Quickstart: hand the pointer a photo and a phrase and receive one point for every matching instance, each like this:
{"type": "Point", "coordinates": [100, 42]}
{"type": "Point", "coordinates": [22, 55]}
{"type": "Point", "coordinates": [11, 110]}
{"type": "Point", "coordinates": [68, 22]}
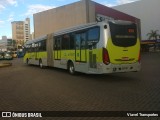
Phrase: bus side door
{"type": "Point", "coordinates": [92, 40]}
{"type": "Point", "coordinates": [36, 51]}
{"type": "Point", "coordinates": [32, 54]}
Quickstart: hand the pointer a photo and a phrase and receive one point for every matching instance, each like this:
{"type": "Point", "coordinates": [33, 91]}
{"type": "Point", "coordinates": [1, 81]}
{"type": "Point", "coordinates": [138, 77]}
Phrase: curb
{"type": "Point", "coordinates": [5, 65]}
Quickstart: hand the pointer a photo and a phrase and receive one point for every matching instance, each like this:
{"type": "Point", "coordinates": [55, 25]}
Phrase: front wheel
{"type": "Point", "coordinates": [40, 64]}
{"type": "Point", "coordinates": [27, 61]}
{"type": "Point", "coordinates": [71, 68]}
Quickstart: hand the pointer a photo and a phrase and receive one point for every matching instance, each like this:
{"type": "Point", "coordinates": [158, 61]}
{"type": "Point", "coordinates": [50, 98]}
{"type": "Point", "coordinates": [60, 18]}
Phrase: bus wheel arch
{"type": "Point", "coordinates": [70, 67]}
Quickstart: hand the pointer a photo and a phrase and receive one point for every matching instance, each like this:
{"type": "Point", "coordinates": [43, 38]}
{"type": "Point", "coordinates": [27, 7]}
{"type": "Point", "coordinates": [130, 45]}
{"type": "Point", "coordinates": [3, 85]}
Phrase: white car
{"type": "Point", "coordinates": [1, 55]}
{"type": "Point", "coordinates": [8, 56]}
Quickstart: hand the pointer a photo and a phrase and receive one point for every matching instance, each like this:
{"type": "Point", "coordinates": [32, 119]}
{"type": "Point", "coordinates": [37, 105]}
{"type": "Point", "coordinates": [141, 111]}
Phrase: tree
{"type": "Point", "coordinates": [153, 35]}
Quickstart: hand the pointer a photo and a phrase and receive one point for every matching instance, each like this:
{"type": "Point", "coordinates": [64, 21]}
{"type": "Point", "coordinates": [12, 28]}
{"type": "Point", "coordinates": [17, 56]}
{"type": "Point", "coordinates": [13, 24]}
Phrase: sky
{"type": "Point", "coordinates": [18, 10]}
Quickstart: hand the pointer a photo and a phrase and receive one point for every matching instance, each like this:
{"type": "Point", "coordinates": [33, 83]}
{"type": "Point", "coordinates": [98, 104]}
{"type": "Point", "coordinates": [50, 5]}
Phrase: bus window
{"type": "Point", "coordinates": [43, 45]}
{"type": "Point", "coordinates": [123, 35]}
{"type": "Point", "coordinates": [93, 34]}
{"type": "Point", "coordinates": [30, 48]}
{"type": "Point", "coordinates": [57, 44]}
{"type": "Point", "coordinates": [83, 40]}
{"type": "Point", "coordinates": [77, 41]}
{"type": "Point", "coordinates": [72, 44]}
{"type": "Point", "coordinates": [65, 42]}
{"type": "Point", "coordinates": [36, 47]}
{"type": "Point", "coordinates": [80, 39]}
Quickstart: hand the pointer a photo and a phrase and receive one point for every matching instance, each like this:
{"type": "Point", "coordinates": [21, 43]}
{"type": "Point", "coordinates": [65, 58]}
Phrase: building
{"type": "Point", "coordinates": [6, 44]}
{"type": "Point", "coordinates": [26, 29]}
{"type": "Point", "coordinates": [3, 45]}
{"type": "Point", "coordinates": [32, 36]}
{"type": "Point", "coordinates": [21, 31]}
{"type": "Point", "coordinates": [4, 37]}
{"type": "Point", "coordinates": [146, 11]}
{"type": "Point", "coordinates": [81, 12]}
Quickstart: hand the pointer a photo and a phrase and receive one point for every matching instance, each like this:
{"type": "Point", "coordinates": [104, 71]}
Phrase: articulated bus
{"type": "Point", "coordinates": [94, 48]}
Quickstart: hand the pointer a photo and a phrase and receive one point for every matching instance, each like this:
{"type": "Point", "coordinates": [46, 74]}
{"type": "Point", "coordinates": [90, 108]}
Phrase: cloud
{"type": "Point", "coordinates": [1, 23]}
{"type": "Point", "coordinates": [4, 3]}
{"type": "Point", "coordinates": [125, 1]}
{"type": "Point", "coordinates": [1, 7]}
{"type": "Point", "coordinates": [32, 9]}
{"type": "Point", "coordinates": [117, 2]}
{"type": "Point", "coordinates": [61, 0]}
{"type": "Point", "coordinates": [11, 17]}
{"type": "Point", "coordinates": [8, 2]}
{"type": "Point", "coordinates": [12, 2]}
{"type": "Point", "coordinates": [109, 4]}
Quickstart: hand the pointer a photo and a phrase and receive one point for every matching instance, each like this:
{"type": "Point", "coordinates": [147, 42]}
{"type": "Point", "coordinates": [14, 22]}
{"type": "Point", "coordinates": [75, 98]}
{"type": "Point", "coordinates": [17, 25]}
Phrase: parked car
{"type": "Point", "coordinates": [8, 56]}
{"type": "Point", "coordinates": [1, 55]}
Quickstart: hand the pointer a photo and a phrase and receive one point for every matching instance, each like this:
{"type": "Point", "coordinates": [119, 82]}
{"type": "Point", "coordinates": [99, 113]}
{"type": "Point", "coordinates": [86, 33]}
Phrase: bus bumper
{"type": "Point", "coordinates": [118, 68]}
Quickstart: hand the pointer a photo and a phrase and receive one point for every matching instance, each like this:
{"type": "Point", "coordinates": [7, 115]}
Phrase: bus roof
{"type": "Point", "coordinates": [79, 27]}
{"type": "Point", "coordinates": [83, 26]}
{"type": "Point", "coordinates": [36, 40]}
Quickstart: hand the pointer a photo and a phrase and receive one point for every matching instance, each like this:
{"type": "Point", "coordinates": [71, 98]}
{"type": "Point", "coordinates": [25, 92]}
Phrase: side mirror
{"type": "Point", "coordinates": [105, 26]}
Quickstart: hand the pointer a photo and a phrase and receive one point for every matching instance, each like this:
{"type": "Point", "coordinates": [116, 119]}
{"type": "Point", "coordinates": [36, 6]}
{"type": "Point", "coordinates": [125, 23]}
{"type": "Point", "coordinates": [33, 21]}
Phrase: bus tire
{"type": "Point", "coordinates": [41, 64]}
{"type": "Point", "coordinates": [27, 61]}
{"type": "Point", "coordinates": [71, 68]}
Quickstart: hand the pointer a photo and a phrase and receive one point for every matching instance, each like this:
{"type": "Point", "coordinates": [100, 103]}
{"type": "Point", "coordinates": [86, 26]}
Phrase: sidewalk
{"type": "Point", "coordinates": [5, 64]}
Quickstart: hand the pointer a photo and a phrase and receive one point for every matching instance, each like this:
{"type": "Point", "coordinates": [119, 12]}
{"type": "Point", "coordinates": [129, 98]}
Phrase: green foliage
{"type": "Point", "coordinates": [153, 34]}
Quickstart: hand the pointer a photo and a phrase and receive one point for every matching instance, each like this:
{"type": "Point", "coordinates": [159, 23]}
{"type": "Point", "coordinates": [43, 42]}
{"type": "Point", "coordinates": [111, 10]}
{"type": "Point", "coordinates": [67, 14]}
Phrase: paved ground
{"type": "Point", "coordinates": [29, 88]}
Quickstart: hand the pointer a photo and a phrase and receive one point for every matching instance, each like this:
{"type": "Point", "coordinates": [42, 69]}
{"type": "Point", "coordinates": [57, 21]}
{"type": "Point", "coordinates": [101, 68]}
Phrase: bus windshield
{"type": "Point", "coordinates": [123, 35]}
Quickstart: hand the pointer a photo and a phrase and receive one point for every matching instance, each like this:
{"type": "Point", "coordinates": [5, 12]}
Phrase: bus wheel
{"type": "Point", "coordinates": [27, 61]}
{"type": "Point", "coordinates": [40, 64]}
{"type": "Point", "coordinates": [71, 68]}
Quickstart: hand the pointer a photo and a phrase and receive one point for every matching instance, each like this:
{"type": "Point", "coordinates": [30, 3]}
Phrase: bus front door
{"type": "Point", "coordinates": [80, 52]}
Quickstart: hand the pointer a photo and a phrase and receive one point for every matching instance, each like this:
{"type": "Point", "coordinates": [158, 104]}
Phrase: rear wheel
{"type": "Point", "coordinates": [71, 68]}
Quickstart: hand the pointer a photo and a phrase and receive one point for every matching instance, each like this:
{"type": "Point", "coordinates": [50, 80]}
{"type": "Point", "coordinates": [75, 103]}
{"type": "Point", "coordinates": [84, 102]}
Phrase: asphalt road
{"type": "Point", "coordinates": [29, 88]}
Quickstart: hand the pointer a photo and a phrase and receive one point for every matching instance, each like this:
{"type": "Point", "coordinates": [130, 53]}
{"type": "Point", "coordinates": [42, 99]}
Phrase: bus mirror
{"type": "Point", "coordinates": [105, 26]}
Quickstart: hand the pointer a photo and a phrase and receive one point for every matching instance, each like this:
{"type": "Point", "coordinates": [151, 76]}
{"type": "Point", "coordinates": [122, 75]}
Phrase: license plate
{"type": "Point", "coordinates": [124, 68]}
{"type": "Point", "coordinates": [125, 58]}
